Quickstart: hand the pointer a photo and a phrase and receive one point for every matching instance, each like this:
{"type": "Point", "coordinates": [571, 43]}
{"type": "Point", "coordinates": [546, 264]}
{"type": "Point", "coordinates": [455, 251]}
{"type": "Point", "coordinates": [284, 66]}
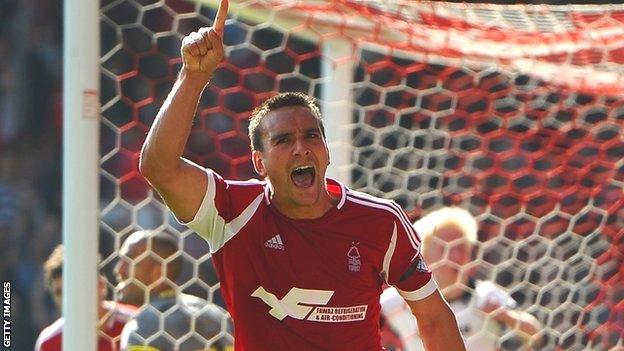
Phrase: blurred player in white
{"type": "Point", "coordinates": [484, 311]}
{"type": "Point", "coordinates": [168, 319]}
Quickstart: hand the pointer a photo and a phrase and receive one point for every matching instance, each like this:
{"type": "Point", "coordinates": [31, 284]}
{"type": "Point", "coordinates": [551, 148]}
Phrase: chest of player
{"type": "Point", "coordinates": [341, 254]}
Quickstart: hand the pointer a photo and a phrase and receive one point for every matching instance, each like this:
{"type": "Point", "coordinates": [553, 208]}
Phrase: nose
{"type": "Point", "coordinates": [300, 148]}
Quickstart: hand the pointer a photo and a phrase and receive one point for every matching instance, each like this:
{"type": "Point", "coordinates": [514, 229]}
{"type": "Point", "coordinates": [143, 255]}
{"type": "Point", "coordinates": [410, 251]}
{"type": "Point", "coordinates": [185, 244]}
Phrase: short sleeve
{"type": "Point", "coordinates": [404, 265]}
{"type": "Point", "coordinates": [129, 328]}
{"type": "Point", "coordinates": [225, 208]}
{"type": "Point", "coordinates": [209, 220]}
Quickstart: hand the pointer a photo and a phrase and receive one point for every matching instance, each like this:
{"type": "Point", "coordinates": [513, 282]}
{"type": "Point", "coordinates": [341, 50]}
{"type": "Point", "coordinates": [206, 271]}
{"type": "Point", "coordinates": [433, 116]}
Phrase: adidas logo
{"type": "Point", "coordinates": [275, 243]}
{"type": "Point", "coordinates": [421, 266]}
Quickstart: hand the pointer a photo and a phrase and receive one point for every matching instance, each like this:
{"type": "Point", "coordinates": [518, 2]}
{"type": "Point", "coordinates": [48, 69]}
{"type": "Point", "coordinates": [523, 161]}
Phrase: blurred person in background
{"type": "Point", "coordinates": [485, 312]}
{"type": "Point", "coordinates": [149, 265]}
{"type": "Point", "coordinates": [112, 316]}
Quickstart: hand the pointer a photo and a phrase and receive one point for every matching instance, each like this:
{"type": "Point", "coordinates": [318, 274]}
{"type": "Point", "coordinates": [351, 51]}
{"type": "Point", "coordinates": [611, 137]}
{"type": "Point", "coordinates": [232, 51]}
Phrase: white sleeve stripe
{"type": "Point", "coordinates": [409, 229]}
{"type": "Point", "coordinates": [211, 226]}
{"type": "Point", "coordinates": [233, 227]}
{"type": "Point", "coordinates": [389, 254]}
{"type": "Point", "coordinates": [421, 293]}
{"type": "Point", "coordinates": [207, 201]}
{"type": "Point", "coordinates": [397, 211]}
{"type": "Point", "coordinates": [49, 332]}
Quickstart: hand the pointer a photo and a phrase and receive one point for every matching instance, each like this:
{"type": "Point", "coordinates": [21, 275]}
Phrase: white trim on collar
{"type": "Point", "coordinates": [268, 189]}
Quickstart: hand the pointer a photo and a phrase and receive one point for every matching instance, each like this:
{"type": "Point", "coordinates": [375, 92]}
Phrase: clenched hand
{"type": "Point", "coordinates": [203, 50]}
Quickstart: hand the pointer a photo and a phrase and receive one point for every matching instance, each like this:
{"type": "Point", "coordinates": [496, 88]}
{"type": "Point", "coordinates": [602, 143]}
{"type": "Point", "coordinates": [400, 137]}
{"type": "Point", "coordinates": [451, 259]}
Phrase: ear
{"type": "Point", "coordinates": [256, 158]}
{"type": "Point", "coordinates": [157, 273]}
{"type": "Point", "coordinates": [102, 286]}
{"type": "Point", "coordinates": [328, 154]}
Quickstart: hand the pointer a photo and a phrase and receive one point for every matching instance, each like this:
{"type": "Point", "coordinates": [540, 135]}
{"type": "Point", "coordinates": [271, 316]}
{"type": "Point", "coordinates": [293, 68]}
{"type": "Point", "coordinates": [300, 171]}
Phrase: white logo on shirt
{"type": "Point", "coordinates": [275, 243]}
{"type": "Point", "coordinates": [353, 255]}
{"type": "Point", "coordinates": [291, 306]}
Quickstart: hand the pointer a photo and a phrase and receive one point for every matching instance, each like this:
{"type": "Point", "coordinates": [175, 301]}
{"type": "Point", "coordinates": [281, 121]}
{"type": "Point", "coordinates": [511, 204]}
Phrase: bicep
{"type": "Point", "coordinates": [183, 191]}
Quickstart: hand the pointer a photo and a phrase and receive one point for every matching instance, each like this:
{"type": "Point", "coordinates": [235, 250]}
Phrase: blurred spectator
{"type": "Point", "coordinates": [484, 311]}
{"type": "Point", "coordinates": [113, 316]}
{"type": "Point", "coordinates": [30, 156]}
{"type": "Point", "coordinates": [147, 270]}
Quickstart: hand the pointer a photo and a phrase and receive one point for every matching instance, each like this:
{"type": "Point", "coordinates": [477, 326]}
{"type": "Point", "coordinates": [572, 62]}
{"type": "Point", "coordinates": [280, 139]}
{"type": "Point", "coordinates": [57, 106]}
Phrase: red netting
{"type": "Point", "coordinates": [512, 112]}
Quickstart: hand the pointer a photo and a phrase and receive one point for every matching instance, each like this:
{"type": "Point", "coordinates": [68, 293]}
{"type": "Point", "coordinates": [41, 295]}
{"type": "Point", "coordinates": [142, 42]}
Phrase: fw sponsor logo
{"type": "Point", "coordinates": [295, 305]}
{"type": "Point", "coordinates": [6, 314]}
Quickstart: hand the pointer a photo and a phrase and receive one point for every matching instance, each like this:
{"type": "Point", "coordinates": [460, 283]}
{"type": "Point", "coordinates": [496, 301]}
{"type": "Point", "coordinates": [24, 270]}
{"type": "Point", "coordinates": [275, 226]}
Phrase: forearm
{"type": "Point", "coordinates": [169, 133]}
{"type": "Point", "coordinates": [441, 333]}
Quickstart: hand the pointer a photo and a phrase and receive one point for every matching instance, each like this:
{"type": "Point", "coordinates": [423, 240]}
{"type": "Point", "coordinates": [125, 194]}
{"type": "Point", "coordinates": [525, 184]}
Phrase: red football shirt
{"type": "Point", "coordinates": [51, 337]}
{"type": "Point", "coordinates": [308, 284]}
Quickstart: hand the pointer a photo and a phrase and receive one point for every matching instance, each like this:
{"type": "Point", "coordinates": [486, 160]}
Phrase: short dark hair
{"type": "Point", "coordinates": [274, 103]}
{"type": "Point", "coordinates": [53, 266]}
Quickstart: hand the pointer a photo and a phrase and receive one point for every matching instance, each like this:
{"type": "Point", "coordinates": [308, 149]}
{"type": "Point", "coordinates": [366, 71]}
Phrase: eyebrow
{"type": "Point", "coordinates": [286, 134]}
{"type": "Point", "coordinates": [279, 136]}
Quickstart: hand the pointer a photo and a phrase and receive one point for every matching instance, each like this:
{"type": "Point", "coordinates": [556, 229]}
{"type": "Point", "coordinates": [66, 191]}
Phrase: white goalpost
{"type": "Point", "coordinates": [80, 173]}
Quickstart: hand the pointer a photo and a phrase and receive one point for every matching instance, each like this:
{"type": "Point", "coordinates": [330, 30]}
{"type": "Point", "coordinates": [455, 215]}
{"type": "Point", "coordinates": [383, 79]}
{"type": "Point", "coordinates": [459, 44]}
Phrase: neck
{"type": "Point", "coordinates": [317, 210]}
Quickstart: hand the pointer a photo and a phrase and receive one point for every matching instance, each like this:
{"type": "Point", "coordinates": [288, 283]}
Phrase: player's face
{"type": "Point", "coordinates": [136, 271]}
{"type": "Point", "coordinates": [448, 252]}
{"type": "Point", "coordinates": [294, 159]}
{"type": "Point", "coordinates": [57, 291]}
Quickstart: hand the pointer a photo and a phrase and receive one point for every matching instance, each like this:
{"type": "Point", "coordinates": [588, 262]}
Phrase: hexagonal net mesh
{"type": "Point", "coordinates": [512, 112]}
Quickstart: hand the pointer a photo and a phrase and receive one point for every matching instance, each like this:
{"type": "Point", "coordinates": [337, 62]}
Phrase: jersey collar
{"type": "Point", "coordinates": [334, 187]}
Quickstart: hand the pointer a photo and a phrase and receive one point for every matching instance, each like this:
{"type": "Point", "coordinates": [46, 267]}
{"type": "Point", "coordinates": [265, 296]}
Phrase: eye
{"type": "Point", "coordinates": [281, 140]}
{"type": "Point", "coordinates": [313, 135]}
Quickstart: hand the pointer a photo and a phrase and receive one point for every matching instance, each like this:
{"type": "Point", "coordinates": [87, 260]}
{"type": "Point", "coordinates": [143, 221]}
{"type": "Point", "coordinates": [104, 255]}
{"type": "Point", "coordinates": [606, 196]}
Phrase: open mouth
{"type": "Point", "coordinates": [303, 176]}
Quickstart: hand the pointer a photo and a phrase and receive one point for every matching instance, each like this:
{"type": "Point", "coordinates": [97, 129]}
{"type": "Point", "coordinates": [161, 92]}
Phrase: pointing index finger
{"type": "Point", "coordinates": [221, 16]}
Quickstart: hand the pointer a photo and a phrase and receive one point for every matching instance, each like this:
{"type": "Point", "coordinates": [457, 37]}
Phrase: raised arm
{"type": "Point", "coordinates": [180, 182]}
{"type": "Point", "coordinates": [437, 325]}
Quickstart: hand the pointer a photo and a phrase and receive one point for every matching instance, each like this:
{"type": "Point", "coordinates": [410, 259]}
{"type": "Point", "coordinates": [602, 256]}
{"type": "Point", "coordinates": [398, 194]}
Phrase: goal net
{"type": "Point", "coordinates": [512, 112]}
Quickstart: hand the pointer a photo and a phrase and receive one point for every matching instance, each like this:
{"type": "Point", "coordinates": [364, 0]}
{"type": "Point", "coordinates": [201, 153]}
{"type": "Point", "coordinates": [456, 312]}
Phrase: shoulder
{"type": "Point", "coordinates": [120, 312]}
{"type": "Point", "coordinates": [242, 185]}
{"type": "Point", "coordinates": [245, 188]}
{"type": "Point", "coordinates": [199, 305]}
{"type": "Point", "coordinates": [50, 335]}
{"type": "Point", "coordinates": [375, 205]}
{"type": "Point", "coordinates": [234, 191]}
{"type": "Point", "coordinates": [126, 334]}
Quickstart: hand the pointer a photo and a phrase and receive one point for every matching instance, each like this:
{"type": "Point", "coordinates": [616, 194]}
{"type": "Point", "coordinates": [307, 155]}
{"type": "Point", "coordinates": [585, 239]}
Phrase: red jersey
{"type": "Point", "coordinates": [310, 284]}
{"type": "Point", "coordinates": [51, 338]}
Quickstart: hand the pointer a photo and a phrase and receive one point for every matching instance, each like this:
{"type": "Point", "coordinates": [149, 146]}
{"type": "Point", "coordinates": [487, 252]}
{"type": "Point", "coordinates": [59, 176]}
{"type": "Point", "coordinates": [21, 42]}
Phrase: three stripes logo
{"type": "Point", "coordinates": [275, 243]}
